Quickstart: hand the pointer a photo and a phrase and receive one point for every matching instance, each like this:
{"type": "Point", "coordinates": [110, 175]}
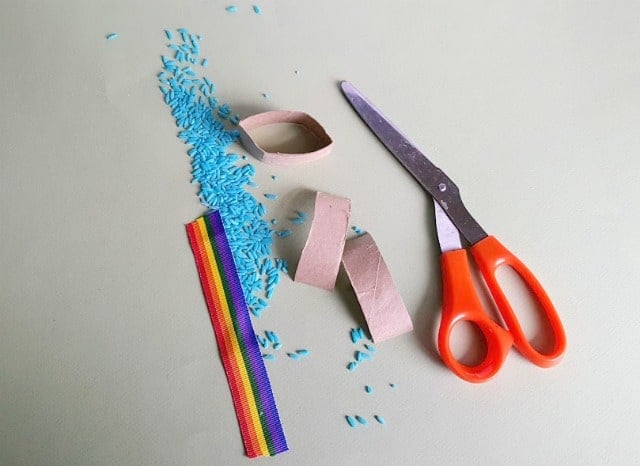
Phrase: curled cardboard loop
{"type": "Point", "coordinates": [323, 141]}
{"type": "Point", "coordinates": [326, 247]}
{"type": "Point", "coordinates": [381, 303]}
{"type": "Point", "coordinates": [320, 259]}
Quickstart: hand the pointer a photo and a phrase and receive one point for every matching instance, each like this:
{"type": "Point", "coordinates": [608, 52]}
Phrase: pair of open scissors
{"type": "Point", "coordinates": [460, 301]}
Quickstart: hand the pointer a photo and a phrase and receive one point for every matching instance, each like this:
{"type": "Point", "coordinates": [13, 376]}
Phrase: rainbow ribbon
{"type": "Point", "coordinates": [255, 406]}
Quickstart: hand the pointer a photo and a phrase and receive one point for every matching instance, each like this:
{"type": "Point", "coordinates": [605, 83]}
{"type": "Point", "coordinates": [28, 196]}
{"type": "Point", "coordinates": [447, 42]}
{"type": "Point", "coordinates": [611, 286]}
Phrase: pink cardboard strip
{"type": "Point", "coordinates": [320, 259]}
{"type": "Point", "coordinates": [381, 303]}
{"type": "Point", "coordinates": [324, 142]}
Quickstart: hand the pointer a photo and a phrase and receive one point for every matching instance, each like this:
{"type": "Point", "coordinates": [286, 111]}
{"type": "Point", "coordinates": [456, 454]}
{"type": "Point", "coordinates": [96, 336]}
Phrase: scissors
{"type": "Point", "coordinates": [460, 301]}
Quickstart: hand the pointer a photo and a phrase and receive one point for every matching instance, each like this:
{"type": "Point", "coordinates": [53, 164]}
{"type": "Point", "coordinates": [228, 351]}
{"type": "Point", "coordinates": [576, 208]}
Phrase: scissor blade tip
{"type": "Point", "coordinates": [346, 86]}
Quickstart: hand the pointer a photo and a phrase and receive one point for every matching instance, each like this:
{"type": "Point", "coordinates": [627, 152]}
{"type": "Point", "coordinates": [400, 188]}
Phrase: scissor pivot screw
{"type": "Point", "coordinates": [442, 187]}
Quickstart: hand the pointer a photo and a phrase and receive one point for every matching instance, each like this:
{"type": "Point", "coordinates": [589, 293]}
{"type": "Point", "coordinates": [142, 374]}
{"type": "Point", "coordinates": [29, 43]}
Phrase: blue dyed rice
{"type": "Point", "coordinates": [262, 341]}
{"type": "Point", "coordinates": [224, 111]}
{"type": "Point", "coordinates": [231, 8]}
{"type": "Point", "coordinates": [221, 176]}
{"type": "Point", "coordinates": [256, 9]}
{"type": "Point", "coordinates": [362, 420]}
{"type": "Point", "coordinates": [112, 36]}
{"type": "Point", "coordinates": [271, 197]}
{"type": "Point", "coordinates": [282, 265]}
{"type": "Point", "coordinates": [351, 421]}
{"type": "Point", "coordinates": [300, 219]}
{"type": "Point", "coordinates": [272, 336]}
{"type": "Point", "coordinates": [379, 418]}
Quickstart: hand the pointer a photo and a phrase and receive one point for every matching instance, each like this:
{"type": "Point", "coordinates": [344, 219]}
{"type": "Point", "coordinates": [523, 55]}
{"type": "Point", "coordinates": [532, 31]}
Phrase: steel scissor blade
{"type": "Point", "coordinates": [443, 190]}
{"type": "Point", "coordinates": [448, 234]}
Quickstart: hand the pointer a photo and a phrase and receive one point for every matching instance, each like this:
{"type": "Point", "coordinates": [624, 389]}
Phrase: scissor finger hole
{"type": "Point", "coordinates": [468, 344]}
{"type": "Point", "coordinates": [528, 311]}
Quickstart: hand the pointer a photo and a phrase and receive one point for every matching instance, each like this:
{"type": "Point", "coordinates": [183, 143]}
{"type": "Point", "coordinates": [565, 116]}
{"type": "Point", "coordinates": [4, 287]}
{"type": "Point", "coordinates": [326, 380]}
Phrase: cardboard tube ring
{"type": "Point", "coordinates": [320, 259]}
{"type": "Point", "coordinates": [324, 141]}
{"type": "Point", "coordinates": [326, 246]}
{"type": "Point", "coordinates": [381, 303]}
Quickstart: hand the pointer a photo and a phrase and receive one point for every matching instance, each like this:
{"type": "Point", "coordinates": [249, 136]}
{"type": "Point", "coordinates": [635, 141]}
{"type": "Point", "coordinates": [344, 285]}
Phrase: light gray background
{"type": "Point", "coordinates": [106, 351]}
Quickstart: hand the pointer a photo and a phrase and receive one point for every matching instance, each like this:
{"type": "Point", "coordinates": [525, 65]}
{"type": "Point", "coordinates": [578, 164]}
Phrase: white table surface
{"type": "Point", "coordinates": [107, 355]}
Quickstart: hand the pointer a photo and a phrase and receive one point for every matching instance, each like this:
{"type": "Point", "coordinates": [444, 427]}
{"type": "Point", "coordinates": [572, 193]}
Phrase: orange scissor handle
{"type": "Point", "coordinates": [461, 303]}
{"type": "Point", "coordinates": [489, 254]}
